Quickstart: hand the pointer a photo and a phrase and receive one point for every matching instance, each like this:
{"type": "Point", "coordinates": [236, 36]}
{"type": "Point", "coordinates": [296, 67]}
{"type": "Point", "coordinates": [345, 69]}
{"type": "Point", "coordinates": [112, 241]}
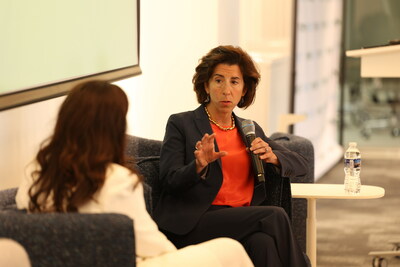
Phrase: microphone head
{"type": "Point", "coordinates": [248, 127]}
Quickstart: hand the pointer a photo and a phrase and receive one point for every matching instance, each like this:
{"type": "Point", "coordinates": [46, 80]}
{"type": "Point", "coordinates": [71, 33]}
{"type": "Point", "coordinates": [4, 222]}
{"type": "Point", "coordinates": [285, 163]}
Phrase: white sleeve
{"type": "Point", "coordinates": [119, 195]}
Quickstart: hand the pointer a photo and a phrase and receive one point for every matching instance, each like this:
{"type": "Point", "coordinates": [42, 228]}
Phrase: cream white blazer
{"type": "Point", "coordinates": [118, 195]}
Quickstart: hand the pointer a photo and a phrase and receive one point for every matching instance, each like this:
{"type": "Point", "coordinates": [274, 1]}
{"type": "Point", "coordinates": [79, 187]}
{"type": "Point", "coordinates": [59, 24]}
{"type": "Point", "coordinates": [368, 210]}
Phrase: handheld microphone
{"type": "Point", "coordinates": [249, 131]}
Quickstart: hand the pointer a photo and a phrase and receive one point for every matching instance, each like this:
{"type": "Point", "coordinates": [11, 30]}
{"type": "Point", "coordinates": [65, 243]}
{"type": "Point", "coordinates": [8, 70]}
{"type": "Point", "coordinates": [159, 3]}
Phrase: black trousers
{"type": "Point", "coordinates": [264, 231]}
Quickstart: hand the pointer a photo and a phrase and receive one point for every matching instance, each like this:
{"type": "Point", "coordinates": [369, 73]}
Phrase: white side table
{"type": "Point", "coordinates": [312, 192]}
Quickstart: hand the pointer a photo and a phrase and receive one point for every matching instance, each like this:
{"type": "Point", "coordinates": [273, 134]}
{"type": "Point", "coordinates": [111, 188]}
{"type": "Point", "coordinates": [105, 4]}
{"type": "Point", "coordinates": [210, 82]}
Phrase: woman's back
{"type": "Point", "coordinates": [122, 192]}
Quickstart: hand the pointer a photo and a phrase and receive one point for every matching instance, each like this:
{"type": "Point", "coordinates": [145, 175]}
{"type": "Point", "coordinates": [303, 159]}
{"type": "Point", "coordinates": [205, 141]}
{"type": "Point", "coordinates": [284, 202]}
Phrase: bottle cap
{"type": "Point", "coordinates": [353, 144]}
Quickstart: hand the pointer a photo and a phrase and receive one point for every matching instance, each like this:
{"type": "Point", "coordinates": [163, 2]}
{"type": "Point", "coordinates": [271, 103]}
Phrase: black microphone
{"type": "Point", "coordinates": [249, 131]}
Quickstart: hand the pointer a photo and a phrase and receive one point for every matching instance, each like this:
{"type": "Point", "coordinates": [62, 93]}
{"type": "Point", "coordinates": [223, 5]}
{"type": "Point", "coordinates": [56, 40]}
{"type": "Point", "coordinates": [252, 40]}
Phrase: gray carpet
{"type": "Point", "coordinates": [348, 229]}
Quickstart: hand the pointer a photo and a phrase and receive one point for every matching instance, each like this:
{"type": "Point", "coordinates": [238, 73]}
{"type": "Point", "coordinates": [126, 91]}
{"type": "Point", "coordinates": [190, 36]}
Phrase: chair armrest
{"type": "Point", "coordinates": [301, 145]}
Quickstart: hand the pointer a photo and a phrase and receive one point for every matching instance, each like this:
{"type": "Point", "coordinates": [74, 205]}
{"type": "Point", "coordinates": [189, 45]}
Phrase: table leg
{"type": "Point", "coordinates": [311, 231]}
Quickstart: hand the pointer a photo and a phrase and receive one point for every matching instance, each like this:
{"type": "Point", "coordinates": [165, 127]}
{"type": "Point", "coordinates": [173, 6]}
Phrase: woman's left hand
{"type": "Point", "coordinates": [264, 151]}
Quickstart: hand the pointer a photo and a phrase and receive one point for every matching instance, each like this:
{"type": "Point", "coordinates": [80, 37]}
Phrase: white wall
{"type": "Point", "coordinates": [174, 34]}
{"type": "Point", "coordinates": [265, 30]}
{"type": "Point", "coordinates": [171, 44]}
{"type": "Point", "coordinates": [22, 131]}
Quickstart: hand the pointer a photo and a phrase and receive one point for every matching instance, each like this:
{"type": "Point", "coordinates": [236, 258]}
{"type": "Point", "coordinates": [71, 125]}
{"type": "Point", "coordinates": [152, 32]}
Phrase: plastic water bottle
{"type": "Point", "coordinates": [352, 169]}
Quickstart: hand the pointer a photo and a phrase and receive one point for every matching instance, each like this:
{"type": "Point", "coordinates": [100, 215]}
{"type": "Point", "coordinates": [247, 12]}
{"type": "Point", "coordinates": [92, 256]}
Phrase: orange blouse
{"type": "Point", "coordinates": [238, 183]}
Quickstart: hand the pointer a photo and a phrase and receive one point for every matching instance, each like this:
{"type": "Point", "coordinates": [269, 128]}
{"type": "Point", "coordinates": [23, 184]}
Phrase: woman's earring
{"type": "Point", "coordinates": [207, 99]}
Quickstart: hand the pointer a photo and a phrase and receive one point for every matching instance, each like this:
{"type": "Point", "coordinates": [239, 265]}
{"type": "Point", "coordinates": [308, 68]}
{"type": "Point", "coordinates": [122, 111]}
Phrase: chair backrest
{"type": "Point", "coordinates": [146, 157]}
{"type": "Point", "coordinates": [7, 199]}
{"type": "Point", "coordinates": [149, 167]}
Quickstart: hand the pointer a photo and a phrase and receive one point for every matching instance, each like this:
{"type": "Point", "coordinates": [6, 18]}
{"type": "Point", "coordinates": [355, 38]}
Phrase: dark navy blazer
{"type": "Point", "coordinates": [185, 195]}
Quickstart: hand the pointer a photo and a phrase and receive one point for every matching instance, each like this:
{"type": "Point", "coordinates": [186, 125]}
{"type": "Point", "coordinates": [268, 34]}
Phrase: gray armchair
{"type": "Point", "coordinates": [68, 239]}
{"type": "Point", "coordinates": [145, 153]}
{"type": "Point", "coordinates": [304, 147]}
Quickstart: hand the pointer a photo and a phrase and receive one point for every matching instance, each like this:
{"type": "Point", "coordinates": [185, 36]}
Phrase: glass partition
{"type": "Point", "coordinates": [370, 106]}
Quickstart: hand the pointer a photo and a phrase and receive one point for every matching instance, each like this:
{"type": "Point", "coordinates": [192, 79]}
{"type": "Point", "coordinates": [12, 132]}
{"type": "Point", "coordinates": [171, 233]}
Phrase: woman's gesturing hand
{"type": "Point", "coordinates": [205, 152]}
{"type": "Point", "coordinates": [264, 151]}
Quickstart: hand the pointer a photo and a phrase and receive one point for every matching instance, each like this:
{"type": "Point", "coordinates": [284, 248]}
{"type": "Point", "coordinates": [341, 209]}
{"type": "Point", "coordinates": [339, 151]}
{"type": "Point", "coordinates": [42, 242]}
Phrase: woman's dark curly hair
{"type": "Point", "coordinates": [232, 56]}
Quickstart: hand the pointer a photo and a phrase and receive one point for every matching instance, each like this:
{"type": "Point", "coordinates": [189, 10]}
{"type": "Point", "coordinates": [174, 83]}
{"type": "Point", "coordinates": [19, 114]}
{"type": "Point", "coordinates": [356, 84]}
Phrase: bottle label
{"type": "Point", "coordinates": [352, 163]}
{"type": "Point", "coordinates": [357, 163]}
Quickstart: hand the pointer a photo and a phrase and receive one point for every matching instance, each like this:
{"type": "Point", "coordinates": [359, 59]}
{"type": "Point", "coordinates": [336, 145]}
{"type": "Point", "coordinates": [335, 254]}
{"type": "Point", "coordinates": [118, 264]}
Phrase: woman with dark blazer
{"type": "Point", "coordinates": [209, 187]}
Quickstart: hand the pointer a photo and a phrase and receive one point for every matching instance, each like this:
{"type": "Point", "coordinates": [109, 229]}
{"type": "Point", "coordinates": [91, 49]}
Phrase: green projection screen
{"type": "Point", "coordinates": [47, 46]}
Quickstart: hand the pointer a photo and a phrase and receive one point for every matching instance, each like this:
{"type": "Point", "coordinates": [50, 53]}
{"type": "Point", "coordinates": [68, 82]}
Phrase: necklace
{"type": "Point", "coordinates": [219, 126]}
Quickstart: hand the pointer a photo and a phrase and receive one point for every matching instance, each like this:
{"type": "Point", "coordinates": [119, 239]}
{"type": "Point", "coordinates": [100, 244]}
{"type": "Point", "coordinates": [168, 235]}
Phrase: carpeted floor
{"type": "Point", "coordinates": [348, 229]}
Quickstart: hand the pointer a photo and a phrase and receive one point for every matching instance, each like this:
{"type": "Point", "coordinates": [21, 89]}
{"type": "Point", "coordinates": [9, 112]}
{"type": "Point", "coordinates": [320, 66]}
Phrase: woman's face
{"type": "Point", "coordinates": [225, 87]}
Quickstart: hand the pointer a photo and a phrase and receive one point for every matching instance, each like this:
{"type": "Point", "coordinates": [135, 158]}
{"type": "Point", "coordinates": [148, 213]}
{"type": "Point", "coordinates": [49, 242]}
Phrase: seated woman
{"type": "Point", "coordinates": [81, 168]}
{"type": "Point", "coordinates": [209, 187]}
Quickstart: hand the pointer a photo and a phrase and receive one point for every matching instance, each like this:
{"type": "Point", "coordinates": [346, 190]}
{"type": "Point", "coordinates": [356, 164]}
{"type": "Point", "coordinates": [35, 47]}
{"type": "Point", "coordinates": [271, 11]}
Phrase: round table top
{"type": "Point", "coordinates": [334, 191]}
